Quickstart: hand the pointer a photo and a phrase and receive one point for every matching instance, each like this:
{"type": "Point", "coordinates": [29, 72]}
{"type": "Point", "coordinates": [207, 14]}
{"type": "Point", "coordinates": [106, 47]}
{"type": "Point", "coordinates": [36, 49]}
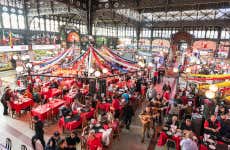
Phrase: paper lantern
{"type": "Point", "coordinates": [91, 70]}
{"type": "Point", "coordinates": [104, 70]}
{"type": "Point", "coordinates": [37, 67]}
{"type": "Point", "coordinates": [29, 65]}
{"type": "Point", "coordinates": [209, 94]}
{"type": "Point", "coordinates": [213, 88]}
{"type": "Point", "coordinates": [188, 70]}
{"type": "Point", "coordinates": [15, 57]}
{"type": "Point", "coordinates": [175, 69]}
{"type": "Point", "coordinates": [97, 74]}
{"type": "Point", "coordinates": [19, 69]}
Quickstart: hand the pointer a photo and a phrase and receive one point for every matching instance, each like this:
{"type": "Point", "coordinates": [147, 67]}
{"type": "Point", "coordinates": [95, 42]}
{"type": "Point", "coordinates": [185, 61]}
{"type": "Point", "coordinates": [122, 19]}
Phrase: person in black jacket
{"type": "Point", "coordinates": [39, 133]}
{"type": "Point", "coordinates": [127, 114]}
{"type": "Point", "coordinates": [52, 143]}
{"type": "Point", "coordinates": [72, 141]}
{"type": "Point", "coordinates": [6, 97]}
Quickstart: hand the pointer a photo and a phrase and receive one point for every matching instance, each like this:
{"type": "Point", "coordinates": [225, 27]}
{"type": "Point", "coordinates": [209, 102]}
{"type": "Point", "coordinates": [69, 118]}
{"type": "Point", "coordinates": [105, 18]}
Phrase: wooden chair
{"type": "Point", "coordinates": [8, 144]}
{"type": "Point", "coordinates": [23, 147]}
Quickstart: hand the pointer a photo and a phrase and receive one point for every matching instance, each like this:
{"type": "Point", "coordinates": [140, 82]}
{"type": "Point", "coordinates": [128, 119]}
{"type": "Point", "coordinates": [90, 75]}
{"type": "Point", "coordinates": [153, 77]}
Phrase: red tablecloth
{"type": "Point", "coordinates": [121, 84]}
{"type": "Point", "coordinates": [163, 139]}
{"type": "Point", "coordinates": [84, 91]}
{"type": "Point", "coordinates": [89, 114]}
{"type": "Point", "coordinates": [21, 104]}
{"type": "Point", "coordinates": [69, 97]}
{"type": "Point", "coordinates": [69, 125]}
{"type": "Point", "coordinates": [104, 106]}
{"type": "Point", "coordinates": [94, 143]}
{"type": "Point", "coordinates": [43, 110]}
{"type": "Point", "coordinates": [49, 93]}
{"type": "Point", "coordinates": [67, 83]}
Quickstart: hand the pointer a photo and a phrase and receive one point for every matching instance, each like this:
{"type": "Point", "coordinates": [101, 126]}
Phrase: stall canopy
{"type": "Point", "coordinates": [92, 62]}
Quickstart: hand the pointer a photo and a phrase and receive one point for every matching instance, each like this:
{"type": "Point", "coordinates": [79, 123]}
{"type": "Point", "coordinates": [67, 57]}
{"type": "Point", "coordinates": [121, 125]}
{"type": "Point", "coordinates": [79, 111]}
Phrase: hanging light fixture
{"type": "Point", "coordinates": [29, 65]}
{"type": "Point", "coordinates": [36, 68]}
{"type": "Point", "coordinates": [209, 94]}
{"type": "Point", "coordinates": [91, 70]}
{"type": "Point", "coordinates": [175, 69]}
{"type": "Point", "coordinates": [15, 57]}
{"type": "Point", "coordinates": [188, 70]}
{"type": "Point", "coordinates": [97, 74]}
{"type": "Point", "coordinates": [104, 70]}
{"type": "Point", "coordinates": [213, 88]}
{"type": "Point", "coordinates": [19, 69]}
{"type": "Point", "coordinates": [142, 65]}
{"type": "Point", "coordinates": [139, 63]}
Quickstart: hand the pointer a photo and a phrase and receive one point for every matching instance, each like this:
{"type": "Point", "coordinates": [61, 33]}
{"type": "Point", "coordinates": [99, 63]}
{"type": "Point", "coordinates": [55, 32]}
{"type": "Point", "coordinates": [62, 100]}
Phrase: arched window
{"type": "Point", "coordinates": [56, 26]}
{"type": "Point", "coordinates": [6, 18]}
{"type": "Point", "coordinates": [42, 24]}
{"type": "Point", "coordinates": [14, 21]}
{"type": "Point", "coordinates": [21, 22]}
{"type": "Point", "coordinates": [48, 25]}
{"type": "Point", "coordinates": [52, 27]}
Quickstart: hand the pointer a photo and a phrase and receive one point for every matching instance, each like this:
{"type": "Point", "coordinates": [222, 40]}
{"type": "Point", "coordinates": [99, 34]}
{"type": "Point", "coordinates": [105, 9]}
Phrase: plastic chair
{"type": "Point", "coordinates": [8, 144]}
{"type": "Point", "coordinates": [23, 147]}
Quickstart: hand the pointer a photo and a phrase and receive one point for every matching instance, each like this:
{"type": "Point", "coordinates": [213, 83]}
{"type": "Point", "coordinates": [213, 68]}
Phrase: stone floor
{"type": "Point", "coordinates": [18, 129]}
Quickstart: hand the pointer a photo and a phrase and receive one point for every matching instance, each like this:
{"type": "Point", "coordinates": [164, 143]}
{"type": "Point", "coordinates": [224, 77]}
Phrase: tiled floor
{"type": "Point", "coordinates": [19, 131]}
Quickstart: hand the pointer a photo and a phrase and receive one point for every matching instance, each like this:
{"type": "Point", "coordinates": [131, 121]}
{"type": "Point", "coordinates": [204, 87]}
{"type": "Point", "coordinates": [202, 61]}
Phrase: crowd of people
{"type": "Point", "coordinates": [174, 113]}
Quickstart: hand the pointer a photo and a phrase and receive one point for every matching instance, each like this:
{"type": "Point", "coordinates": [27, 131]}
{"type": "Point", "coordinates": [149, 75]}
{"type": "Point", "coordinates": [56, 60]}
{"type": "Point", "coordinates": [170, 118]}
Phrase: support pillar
{"type": "Point", "coordinates": [151, 39]}
{"type": "Point", "coordinates": [27, 27]}
{"type": "Point", "coordinates": [89, 17]}
{"type": "Point", "coordinates": [138, 29]}
{"type": "Point", "coordinates": [218, 37]}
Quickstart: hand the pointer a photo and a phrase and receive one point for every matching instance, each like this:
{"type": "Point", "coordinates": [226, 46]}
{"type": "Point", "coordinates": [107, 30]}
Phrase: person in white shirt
{"type": "Point", "coordinates": [187, 143]}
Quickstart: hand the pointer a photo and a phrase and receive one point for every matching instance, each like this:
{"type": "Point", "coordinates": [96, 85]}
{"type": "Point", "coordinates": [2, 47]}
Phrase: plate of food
{"type": "Point", "coordinates": [210, 141]}
{"type": "Point", "coordinates": [212, 147]}
{"type": "Point", "coordinates": [169, 132]}
{"type": "Point", "coordinates": [165, 128]}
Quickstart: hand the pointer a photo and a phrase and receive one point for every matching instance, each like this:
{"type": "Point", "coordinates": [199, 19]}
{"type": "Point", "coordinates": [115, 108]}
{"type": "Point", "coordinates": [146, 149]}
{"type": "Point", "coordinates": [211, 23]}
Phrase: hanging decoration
{"type": "Point", "coordinates": [219, 85]}
{"type": "Point", "coordinates": [201, 77]}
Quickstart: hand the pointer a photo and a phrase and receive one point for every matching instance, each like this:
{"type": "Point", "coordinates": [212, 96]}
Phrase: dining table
{"type": "Point", "coordinates": [67, 83]}
{"type": "Point", "coordinates": [71, 125]}
{"type": "Point", "coordinates": [21, 103]}
{"type": "Point", "coordinates": [69, 98]}
{"type": "Point", "coordinates": [49, 93]}
{"type": "Point", "coordinates": [168, 134]}
{"type": "Point", "coordinates": [43, 111]}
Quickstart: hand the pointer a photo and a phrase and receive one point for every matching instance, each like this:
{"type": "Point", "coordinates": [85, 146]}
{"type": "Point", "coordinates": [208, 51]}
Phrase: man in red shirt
{"type": "Point", "coordinates": [155, 76]}
{"type": "Point", "coordinates": [166, 97]}
{"type": "Point", "coordinates": [116, 106]}
{"type": "Point", "coordinates": [94, 142]}
{"type": "Point", "coordinates": [212, 126]}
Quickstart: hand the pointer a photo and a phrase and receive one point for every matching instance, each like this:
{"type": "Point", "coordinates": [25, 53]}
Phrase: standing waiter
{"type": "Point", "coordinates": [39, 133]}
